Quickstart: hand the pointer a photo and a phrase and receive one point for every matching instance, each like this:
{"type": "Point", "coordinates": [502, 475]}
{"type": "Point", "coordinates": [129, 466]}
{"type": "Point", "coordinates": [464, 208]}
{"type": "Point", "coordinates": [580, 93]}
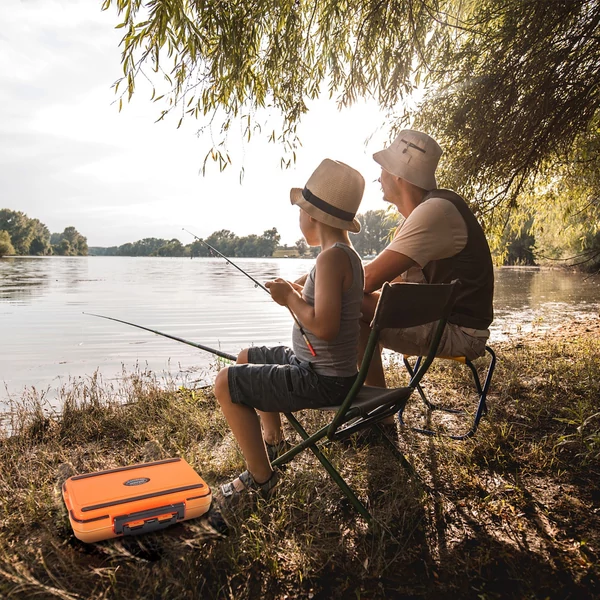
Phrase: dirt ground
{"type": "Point", "coordinates": [513, 512]}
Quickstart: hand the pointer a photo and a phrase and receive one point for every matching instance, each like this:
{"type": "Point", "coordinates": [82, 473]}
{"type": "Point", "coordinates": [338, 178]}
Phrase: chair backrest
{"type": "Point", "coordinates": [403, 305]}
{"type": "Point", "coordinates": [410, 304]}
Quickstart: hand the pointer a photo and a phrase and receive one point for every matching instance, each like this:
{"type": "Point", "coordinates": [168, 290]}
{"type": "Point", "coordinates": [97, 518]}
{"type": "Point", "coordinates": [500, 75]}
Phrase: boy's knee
{"type": "Point", "coordinates": [243, 356]}
{"type": "Point", "coordinates": [222, 384]}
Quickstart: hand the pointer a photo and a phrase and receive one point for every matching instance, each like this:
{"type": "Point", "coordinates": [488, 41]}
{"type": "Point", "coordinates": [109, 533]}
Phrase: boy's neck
{"type": "Point", "coordinates": [330, 236]}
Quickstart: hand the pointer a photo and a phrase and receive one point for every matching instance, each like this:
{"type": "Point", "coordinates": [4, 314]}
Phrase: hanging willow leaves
{"type": "Point", "coordinates": [233, 58]}
{"type": "Point", "coordinates": [511, 86]}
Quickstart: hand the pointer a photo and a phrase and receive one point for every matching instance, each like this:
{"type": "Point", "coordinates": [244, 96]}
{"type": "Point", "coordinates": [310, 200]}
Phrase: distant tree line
{"type": "Point", "coordinates": [521, 242]}
{"type": "Point", "coordinates": [377, 227]}
{"type": "Point", "coordinates": [21, 235]}
{"type": "Point", "coordinates": [223, 240]}
{"type": "Point", "coordinates": [376, 231]}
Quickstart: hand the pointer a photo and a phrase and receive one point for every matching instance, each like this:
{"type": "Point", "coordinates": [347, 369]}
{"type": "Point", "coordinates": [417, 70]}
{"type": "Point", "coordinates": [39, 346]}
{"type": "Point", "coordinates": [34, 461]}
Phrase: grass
{"type": "Point", "coordinates": [512, 513]}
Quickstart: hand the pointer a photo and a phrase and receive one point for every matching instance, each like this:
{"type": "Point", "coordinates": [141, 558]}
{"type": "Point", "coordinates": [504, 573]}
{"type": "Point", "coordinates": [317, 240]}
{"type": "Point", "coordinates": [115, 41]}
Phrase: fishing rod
{"type": "Point", "coordinates": [308, 344]}
{"type": "Point", "coordinates": [224, 355]}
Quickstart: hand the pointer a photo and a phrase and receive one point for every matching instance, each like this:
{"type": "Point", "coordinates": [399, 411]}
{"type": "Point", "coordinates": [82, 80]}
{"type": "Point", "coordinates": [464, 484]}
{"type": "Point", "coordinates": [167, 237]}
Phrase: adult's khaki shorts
{"type": "Point", "coordinates": [456, 341]}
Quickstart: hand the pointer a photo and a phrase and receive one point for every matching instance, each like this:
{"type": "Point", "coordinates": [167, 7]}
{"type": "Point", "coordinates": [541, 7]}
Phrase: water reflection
{"type": "Point", "coordinates": [21, 278]}
{"type": "Point", "coordinates": [527, 298]}
{"type": "Point", "coordinates": [45, 337]}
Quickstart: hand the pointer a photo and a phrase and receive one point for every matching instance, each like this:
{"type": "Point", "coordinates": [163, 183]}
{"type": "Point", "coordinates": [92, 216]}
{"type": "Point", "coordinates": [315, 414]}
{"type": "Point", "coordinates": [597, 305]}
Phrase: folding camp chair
{"type": "Point", "coordinates": [400, 305]}
{"type": "Point", "coordinates": [481, 396]}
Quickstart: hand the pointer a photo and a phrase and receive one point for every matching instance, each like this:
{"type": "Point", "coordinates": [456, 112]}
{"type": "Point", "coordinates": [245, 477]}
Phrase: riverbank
{"type": "Point", "coordinates": [513, 513]}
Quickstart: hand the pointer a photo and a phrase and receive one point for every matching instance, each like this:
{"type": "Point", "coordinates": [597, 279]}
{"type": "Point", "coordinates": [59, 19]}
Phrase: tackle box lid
{"type": "Point", "coordinates": [131, 488]}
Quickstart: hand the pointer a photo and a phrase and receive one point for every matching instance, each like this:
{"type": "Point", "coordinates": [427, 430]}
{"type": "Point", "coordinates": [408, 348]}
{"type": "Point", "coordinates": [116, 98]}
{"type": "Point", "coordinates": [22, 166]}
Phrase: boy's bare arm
{"type": "Point", "coordinates": [368, 306]}
{"type": "Point", "coordinates": [323, 320]}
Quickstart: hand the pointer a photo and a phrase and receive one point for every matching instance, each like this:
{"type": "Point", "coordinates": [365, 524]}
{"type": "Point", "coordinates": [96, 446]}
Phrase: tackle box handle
{"type": "Point", "coordinates": [150, 518]}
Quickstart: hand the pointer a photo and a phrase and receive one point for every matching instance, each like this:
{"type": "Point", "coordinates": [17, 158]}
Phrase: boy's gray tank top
{"type": "Point", "coordinates": [337, 358]}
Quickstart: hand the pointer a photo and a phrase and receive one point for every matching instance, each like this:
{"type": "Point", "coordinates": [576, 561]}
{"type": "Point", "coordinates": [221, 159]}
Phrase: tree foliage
{"type": "Point", "coordinates": [27, 236]}
{"type": "Point", "coordinates": [20, 228]}
{"type": "Point", "coordinates": [301, 246]}
{"type": "Point", "coordinates": [509, 83]}
{"type": "Point", "coordinates": [223, 61]}
{"type": "Point", "coordinates": [6, 246]}
{"type": "Point", "coordinates": [515, 95]}
{"type": "Point", "coordinates": [172, 248]}
{"type": "Point", "coordinates": [69, 243]}
{"type": "Point", "coordinates": [229, 244]}
{"type": "Point", "coordinates": [224, 241]}
{"type": "Point", "coordinates": [377, 227]}
{"type": "Point", "coordinates": [565, 210]}
{"type": "Point", "coordinates": [510, 87]}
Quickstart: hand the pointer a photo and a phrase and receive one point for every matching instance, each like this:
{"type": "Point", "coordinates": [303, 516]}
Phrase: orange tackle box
{"type": "Point", "coordinates": [135, 499]}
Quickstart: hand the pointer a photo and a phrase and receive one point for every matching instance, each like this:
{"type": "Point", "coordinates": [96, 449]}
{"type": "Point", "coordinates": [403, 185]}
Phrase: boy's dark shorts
{"type": "Point", "coordinates": [275, 380]}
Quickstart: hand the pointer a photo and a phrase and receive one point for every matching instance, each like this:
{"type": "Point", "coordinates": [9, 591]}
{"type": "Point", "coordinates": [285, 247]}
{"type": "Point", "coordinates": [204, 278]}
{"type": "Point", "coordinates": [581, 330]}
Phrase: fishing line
{"type": "Point", "coordinates": [307, 341]}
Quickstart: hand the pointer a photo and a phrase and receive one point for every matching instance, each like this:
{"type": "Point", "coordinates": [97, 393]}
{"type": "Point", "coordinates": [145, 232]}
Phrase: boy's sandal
{"type": "Point", "coordinates": [230, 491]}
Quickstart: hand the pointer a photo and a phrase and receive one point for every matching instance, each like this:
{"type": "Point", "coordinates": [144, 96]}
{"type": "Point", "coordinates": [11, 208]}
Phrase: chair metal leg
{"type": "Point", "coordinates": [358, 505]}
{"type": "Point", "coordinates": [482, 407]}
{"type": "Point", "coordinates": [481, 392]}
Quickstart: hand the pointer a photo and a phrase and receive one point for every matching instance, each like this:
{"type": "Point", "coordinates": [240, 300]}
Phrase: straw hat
{"type": "Point", "coordinates": [332, 195]}
{"type": "Point", "coordinates": [412, 156]}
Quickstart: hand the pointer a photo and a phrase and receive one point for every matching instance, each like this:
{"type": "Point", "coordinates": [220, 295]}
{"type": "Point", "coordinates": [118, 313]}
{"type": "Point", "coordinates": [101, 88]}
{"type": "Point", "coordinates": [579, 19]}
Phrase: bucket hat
{"type": "Point", "coordinates": [413, 156]}
{"type": "Point", "coordinates": [332, 195]}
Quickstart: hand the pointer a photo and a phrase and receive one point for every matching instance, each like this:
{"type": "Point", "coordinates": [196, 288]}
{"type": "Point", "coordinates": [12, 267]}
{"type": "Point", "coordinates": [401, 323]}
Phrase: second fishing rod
{"type": "Point", "coordinates": [260, 285]}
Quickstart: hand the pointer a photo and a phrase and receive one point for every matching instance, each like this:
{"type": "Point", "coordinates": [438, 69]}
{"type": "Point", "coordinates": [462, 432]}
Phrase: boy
{"type": "Point", "coordinates": [268, 381]}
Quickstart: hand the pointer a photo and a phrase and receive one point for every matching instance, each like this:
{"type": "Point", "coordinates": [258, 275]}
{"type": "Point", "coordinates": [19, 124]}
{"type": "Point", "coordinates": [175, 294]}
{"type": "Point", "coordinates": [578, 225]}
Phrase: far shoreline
{"type": "Point", "coordinates": [545, 267]}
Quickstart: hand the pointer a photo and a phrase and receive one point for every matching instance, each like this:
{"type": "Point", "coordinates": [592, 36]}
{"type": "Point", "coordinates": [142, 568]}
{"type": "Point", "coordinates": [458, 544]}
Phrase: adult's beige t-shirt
{"type": "Point", "coordinates": [433, 231]}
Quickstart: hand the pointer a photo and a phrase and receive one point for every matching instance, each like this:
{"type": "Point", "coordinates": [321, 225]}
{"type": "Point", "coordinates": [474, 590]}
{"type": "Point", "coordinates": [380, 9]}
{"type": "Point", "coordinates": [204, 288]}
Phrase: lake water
{"type": "Point", "coordinates": [45, 338]}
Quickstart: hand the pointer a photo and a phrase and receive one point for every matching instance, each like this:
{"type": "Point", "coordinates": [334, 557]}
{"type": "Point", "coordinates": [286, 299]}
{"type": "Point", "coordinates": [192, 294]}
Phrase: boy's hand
{"type": "Point", "coordinates": [281, 290]}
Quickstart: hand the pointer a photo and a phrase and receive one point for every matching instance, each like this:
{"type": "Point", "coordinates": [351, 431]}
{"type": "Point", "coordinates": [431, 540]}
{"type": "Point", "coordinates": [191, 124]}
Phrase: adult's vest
{"type": "Point", "coordinates": [472, 265]}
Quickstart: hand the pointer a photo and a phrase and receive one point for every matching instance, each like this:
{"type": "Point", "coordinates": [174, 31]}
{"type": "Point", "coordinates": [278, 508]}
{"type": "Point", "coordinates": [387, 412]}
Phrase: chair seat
{"type": "Point", "coordinates": [364, 406]}
{"type": "Point", "coordinates": [370, 398]}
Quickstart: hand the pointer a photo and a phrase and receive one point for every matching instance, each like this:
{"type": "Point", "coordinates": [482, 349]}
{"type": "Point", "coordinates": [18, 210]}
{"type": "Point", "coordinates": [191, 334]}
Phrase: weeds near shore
{"type": "Point", "coordinates": [512, 513]}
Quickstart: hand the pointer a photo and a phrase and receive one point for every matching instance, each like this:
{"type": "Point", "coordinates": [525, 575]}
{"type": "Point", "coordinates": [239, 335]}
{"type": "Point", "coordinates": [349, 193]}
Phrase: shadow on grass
{"type": "Point", "coordinates": [512, 513]}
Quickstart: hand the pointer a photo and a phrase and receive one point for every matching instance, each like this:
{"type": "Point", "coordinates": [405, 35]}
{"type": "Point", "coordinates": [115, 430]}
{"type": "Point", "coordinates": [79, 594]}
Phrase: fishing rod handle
{"type": "Point", "coordinates": [310, 346]}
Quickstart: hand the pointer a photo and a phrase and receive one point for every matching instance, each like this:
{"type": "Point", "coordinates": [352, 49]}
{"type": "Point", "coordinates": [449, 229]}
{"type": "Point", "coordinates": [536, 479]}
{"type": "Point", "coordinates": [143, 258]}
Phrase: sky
{"type": "Point", "coordinates": [69, 157]}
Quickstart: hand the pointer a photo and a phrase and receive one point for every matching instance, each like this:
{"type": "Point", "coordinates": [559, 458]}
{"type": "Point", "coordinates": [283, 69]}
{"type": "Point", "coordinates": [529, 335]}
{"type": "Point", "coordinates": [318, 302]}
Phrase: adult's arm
{"type": "Point", "coordinates": [386, 267]}
{"type": "Point", "coordinates": [368, 306]}
{"type": "Point", "coordinates": [433, 231]}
